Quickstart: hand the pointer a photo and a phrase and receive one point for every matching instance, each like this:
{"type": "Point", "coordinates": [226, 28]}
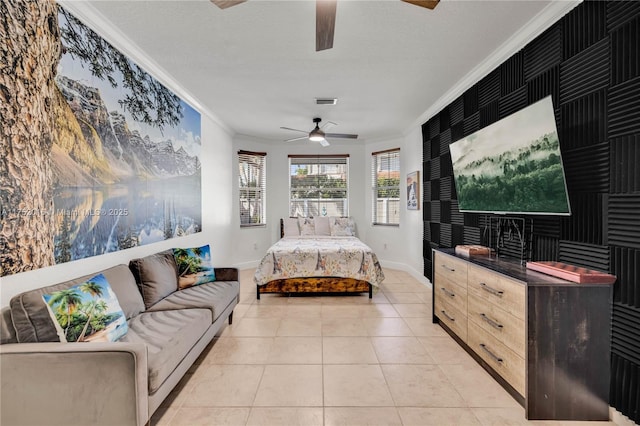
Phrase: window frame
{"type": "Point", "coordinates": [376, 159]}
{"type": "Point", "coordinates": [319, 161]}
{"type": "Point", "coordinates": [259, 158]}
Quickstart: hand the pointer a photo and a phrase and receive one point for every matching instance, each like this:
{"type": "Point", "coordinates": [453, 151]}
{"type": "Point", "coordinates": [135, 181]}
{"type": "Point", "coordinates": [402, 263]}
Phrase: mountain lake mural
{"type": "Point", "coordinates": [117, 163]}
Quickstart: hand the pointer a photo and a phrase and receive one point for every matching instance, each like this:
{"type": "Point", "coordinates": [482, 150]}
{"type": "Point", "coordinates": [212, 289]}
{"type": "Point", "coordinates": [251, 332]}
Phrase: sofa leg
{"type": "Point", "coordinates": [231, 318]}
{"type": "Point", "coordinates": [258, 292]}
{"type": "Point", "coordinates": [370, 291]}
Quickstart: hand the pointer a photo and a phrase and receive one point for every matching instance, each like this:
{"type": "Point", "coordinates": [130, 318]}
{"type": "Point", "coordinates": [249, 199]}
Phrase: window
{"type": "Point", "coordinates": [385, 179]}
{"type": "Point", "coordinates": [318, 185]}
{"type": "Point", "coordinates": [252, 184]}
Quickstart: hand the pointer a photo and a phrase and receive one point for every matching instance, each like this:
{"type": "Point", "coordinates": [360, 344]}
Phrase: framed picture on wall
{"type": "Point", "coordinates": [413, 190]}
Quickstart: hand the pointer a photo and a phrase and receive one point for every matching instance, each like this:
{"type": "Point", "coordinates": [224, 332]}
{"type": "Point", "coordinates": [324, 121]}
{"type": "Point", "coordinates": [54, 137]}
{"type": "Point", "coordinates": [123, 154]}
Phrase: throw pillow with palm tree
{"type": "Point", "coordinates": [194, 266]}
{"type": "Point", "coordinates": [87, 312]}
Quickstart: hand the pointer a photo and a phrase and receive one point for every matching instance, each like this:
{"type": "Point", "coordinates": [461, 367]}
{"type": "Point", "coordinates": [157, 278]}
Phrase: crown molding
{"type": "Point", "coordinates": [91, 17]}
{"type": "Point", "coordinates": [536, 26]}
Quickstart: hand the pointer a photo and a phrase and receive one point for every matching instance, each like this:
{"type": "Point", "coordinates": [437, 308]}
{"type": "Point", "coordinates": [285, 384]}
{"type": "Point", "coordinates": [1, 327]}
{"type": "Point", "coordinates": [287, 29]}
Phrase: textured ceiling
{"type": "Point", "coordinates": [254, 66]}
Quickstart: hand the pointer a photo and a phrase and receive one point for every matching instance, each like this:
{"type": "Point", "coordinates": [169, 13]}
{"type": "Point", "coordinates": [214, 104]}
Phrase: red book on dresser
{"type": "Point", "coordinates": [572, 273]}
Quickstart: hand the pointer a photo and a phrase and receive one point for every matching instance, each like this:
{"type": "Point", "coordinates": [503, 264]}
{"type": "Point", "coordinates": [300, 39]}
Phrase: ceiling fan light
{"type": "Point", "coordinates": [316, 135]}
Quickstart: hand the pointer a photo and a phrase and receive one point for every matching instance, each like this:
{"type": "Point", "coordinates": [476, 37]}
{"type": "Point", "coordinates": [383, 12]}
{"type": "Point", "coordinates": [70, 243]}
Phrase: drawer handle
{"type": "Point", "coordinates": [448, 269]}
{"type": "Point", "coordinates": [447, 292]}
{"type": "Point", "coordinates": [493, 291]}
{"type": "Point", "coordinates": [491, 354]}
{"type": "Point", "coordinates": [491, 322]}
{"type": "Point", "coordinates": [448, 317]}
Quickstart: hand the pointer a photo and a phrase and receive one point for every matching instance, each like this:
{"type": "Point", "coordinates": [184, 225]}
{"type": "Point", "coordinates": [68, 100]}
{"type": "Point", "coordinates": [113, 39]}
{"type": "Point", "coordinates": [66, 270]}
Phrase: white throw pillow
{"type": "Point", "coordinates": [307, 226]}
{"type": "Point", "coordinates": [342, 227]}
{"type": "Point", "coordinates": [322, 226]}
{"type": "Point", "coordinates": [291, 228]}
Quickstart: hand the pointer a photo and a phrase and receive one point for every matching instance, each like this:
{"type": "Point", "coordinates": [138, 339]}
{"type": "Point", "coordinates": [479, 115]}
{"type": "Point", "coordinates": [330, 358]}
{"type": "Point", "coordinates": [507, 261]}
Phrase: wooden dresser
{"type": "Point", "coordinates": [545, 340]}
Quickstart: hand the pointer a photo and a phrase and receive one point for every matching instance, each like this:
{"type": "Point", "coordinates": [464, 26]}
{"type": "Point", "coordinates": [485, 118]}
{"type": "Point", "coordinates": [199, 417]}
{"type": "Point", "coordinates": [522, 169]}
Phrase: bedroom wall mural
{"type": "Point", "coordinates": [97, 156]}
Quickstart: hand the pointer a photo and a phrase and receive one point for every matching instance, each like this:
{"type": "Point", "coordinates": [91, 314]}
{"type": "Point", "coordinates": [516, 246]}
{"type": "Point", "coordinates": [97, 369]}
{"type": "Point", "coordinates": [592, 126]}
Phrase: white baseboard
{"type": "Point", "coordinates": [619, 419]}
{"type": "Point", "coordinates": [247, 265]}
{"type": "Point", "coordinates": [406, 268]}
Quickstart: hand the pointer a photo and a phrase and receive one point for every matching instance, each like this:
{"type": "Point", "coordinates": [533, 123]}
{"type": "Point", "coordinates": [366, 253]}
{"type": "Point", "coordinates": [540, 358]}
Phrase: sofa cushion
{"type": "Point", "coordinates": [157, 276]}
{"type": "Point", "coordinates": [194, 266]}
{"type": "Point", "coordinates": [30, 314]}
{"type": "Point", "coordinates": [87, 312]}
{"type": "Point", "coordinates": [215, 296]}
{"type": "Point", "coordinates": [169, 336]}
{"type": "Point", "coordinates": [7, 332]}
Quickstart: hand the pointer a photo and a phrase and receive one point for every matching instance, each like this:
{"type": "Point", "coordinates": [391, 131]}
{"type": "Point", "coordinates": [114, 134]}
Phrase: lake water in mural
{"type": "Point", "coordinates": [99, 220]}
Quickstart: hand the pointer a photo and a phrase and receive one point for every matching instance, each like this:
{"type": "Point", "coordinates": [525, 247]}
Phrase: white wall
{"type": "Point", "coordinates": [216, 224]}
{"type": "Point", "coordinates": [250, 244]}
{"type": "Point", "coordinates": [403, 248]}
{"type": "Point", "coordinates": [399, 247]}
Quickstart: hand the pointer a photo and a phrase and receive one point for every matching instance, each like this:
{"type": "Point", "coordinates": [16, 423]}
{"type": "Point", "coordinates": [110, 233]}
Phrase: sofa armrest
{"type": "Point", "coordinates": [74, 383]}
{"type": "Point", "coordinates": [226, 274]}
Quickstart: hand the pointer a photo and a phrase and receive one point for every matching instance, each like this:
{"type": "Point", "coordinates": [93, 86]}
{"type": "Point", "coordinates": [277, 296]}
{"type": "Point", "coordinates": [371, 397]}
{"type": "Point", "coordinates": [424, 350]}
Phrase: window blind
{"type": "Point", "coordinates": [385, 181]}
{"type": "Point", "coordinates": [252, 187]}
{"type": "Point", "coordinates": [318, 185]}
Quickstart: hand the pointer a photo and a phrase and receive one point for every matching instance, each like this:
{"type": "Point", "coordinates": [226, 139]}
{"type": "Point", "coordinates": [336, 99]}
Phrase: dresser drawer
{"type": "Point", "coordinates": [502, 359]}
{"type": "Point", "coordinates": [505, 327]}
{"type": "Point", "coordinates": [452, 317]}
{"type": "Point", "coordinates": [455, 294]}
{"type": "Point", "coordinates": [450, 268]}
{"type": "Point", "coordinates": [497, 289]}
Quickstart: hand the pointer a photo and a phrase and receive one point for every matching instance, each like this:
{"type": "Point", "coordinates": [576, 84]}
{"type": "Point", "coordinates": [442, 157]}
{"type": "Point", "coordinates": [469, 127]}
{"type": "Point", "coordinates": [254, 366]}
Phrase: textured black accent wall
{"type": "Point", "coordinates": [589, 61]}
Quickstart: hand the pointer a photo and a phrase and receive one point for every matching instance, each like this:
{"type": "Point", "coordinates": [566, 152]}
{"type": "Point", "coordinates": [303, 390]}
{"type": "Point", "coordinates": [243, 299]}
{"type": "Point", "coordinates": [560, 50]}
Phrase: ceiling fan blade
{"type": "Point", "coordinates": [297, 139]}
{"type": "Point", "coordinates": [223, 4]}
{"type": "Point", "coordinates": [295, 130]}
{"type": "Point", "coordinates": [429, 4]}
{"type": "Point", "coordinates": [325, 23]}
{"type": "Point", "coordinates": [341, 135]}
{"type": "Point", "coordinates": [324, 142]}
{"type": "Point", "coordinates": [328, 125]}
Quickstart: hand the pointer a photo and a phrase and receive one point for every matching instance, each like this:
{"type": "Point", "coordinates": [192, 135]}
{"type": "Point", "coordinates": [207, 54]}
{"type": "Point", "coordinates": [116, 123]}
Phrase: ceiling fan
{"type": "Point", "coordinates": [326, 17]}
{"type": "Point", "coordinates": [318, 134]}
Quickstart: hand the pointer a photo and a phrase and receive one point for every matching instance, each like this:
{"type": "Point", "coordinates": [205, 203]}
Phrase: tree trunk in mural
{"type": "Point", "coordinates": [30, 51]}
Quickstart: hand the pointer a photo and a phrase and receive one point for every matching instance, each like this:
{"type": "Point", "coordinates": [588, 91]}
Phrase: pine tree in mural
{"type": "Point", "coordinates": [31, 42]}
{"type": "Point", "coordinates": [147, 100]}
{"type": "Point", "coordinates": [30, 51]}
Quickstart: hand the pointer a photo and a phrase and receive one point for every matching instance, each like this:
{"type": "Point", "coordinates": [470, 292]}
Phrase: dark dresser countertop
{"type": "Point", "coordinates": [513, 269]}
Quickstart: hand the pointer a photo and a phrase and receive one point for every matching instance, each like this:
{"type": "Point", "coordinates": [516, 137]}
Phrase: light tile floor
{"type": "Point", "coordinates": [343, 360]}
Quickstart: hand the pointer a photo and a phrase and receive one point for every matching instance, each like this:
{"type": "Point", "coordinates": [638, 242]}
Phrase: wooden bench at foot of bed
{"type": "Point", "coordinates": [315, 285]}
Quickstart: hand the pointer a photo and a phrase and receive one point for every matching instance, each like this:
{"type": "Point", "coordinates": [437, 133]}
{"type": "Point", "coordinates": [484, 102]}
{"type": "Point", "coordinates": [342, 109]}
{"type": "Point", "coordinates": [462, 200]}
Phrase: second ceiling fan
{"type": "Point", "coordinates": [326, 17]}
{"type": "Point", "coordinates": [318, 134]}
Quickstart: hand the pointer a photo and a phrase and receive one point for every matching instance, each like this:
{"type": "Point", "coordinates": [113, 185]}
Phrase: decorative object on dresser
{"type": "Point", "coordinates": [544, 339]}
{"type": "Point", "coordinates": [472, 250]}
{"type": "Point", "coordinates": [327, 258]}
{"type": "Point", "coordinates": [572, 273]}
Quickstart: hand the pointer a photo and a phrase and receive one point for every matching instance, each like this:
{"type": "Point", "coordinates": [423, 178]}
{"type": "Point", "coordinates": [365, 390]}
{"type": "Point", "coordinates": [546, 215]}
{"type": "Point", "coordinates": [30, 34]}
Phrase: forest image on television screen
{"type": "Point", "coordinates": [513, 165]}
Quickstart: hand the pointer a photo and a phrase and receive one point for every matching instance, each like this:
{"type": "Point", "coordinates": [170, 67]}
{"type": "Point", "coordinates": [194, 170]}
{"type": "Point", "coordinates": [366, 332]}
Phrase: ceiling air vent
{"type": "Point", "coordinates": [326, 101]}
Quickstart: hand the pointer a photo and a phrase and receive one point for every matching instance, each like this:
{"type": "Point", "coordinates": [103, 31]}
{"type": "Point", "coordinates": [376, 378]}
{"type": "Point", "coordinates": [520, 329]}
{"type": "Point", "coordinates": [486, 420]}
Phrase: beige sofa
{"type": "Point", "coordinates": [47, 382]}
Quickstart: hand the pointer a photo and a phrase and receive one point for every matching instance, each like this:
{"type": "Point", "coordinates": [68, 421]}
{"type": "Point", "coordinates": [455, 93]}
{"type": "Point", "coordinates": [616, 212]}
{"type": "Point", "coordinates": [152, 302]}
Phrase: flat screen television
{"type": "Point", "coordinates": [512, 166]}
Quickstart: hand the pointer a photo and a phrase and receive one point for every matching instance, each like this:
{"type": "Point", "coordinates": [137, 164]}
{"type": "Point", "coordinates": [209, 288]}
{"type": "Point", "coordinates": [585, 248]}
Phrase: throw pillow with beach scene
{"type": "Point", "coordinates": [87, 312]}
{"type": "Point", "coordinates": [194, 266]}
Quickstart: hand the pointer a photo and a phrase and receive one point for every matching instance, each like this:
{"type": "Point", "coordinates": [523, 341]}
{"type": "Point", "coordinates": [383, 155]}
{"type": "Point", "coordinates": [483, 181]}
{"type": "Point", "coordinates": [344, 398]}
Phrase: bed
{"type": "Point", "coordinates": [325, 260]}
